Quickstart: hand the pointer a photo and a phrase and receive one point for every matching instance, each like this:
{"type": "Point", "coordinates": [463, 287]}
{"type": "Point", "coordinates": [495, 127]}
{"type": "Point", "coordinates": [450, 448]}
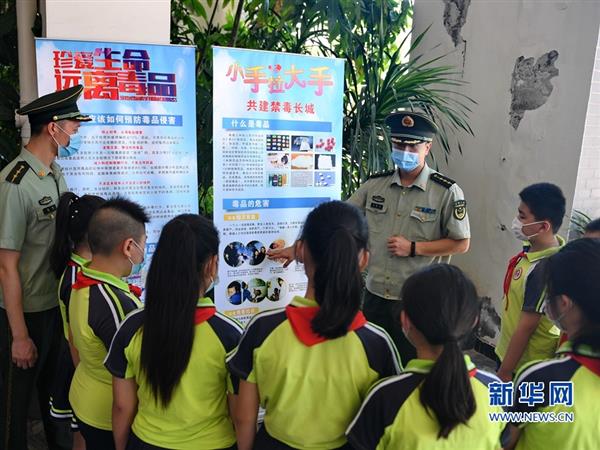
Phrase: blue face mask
{"type": "Point", "coordinates": [406, 161]}
{"type": "Point", "coordinates": [72, 147]}
{"type": "Point", "coordinates": [136, 268]}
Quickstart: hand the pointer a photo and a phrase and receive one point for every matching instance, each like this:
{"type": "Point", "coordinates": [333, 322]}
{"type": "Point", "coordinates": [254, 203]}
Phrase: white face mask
{"type": "Point", "coordinates": [555, 320]}
{"type": "Point", "coordinates": [517, 229]}
{"type": "Point", "coordinates": [213, 282]}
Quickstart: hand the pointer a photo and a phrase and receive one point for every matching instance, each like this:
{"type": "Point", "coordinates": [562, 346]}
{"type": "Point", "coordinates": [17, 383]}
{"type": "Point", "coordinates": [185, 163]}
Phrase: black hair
{"type": "Point", "coordinates": [546, 202]}
{"type": "Point", "coordinates": [116, 220]}
{"type": "Point", "coordinates": [442, 303]}
{"type": "Point", "coordinates": [72, 219]}
{"type": "Point", "coordinates": [186, 244]}
{"type": "Point", "coordinates": [594, 225]}
{"type": "Point", "coordinates": [37, 128]}
{"type": "Point", "coordinates": [335, 232]}
{"type": "Point", "coordinates": [573, 272]}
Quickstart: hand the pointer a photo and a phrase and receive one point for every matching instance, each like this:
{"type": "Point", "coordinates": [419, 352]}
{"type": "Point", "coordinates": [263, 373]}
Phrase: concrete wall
{"type": "Point", "coordinates": [146, 21]}
{"type": "Point", "coordinates": [587, 192]}
{"type": "Point", "coordinates": [531, 134]}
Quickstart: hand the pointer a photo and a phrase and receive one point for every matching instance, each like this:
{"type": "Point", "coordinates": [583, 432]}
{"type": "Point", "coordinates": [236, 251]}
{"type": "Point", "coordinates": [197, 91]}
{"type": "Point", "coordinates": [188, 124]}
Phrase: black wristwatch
{"type": "Point", "coordinates": [413, 249]}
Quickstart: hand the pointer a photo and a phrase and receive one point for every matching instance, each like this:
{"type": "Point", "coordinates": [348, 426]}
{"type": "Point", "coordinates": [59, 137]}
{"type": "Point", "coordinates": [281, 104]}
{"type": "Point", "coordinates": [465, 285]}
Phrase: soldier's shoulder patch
{"type": "Point", "coordinates": [442, 180]}
{"type": "Point", "coordinates": [17, 173]}
{"type": "Point", "coordinates": [460, 209]}
{"type": "Point", "coordinates": [382, 174]}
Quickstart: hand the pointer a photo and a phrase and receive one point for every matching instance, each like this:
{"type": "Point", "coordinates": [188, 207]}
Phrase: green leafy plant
{"type": "Point", "coordinates": [379, 76]}
{"type": "Point", "coordinates": [9, 81]}
{"type": "Point", "coordinates": [366, 33]}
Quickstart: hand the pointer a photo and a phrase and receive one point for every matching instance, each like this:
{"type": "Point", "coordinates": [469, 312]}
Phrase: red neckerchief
{"type": "Point", "coordinates": [509, 273]}
{"type": "Point", "coordinates": [472, 372]}
{"type": "Point", "coordinates": [82, 281]}
{"type": "Point", "coordinates": [204, 313]}
{"type": "Point", "coordinates": [592, 364]}
{"type": "Point", "coordinates": [135, 290]}
{"type": "Point", "coordinates": [562, 339]}
{"type": "Point", "coordinates": [72, 263]}
{"type": "Point", "coordinates": [300, 318]}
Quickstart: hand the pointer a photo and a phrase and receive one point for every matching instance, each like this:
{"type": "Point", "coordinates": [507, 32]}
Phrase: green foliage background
{"type": "Point", "coordinates": [10, 140]}
{"type": "Point", "coordinates": [367, 34]}
{"type": "Point", "coordinates": [379, 76]}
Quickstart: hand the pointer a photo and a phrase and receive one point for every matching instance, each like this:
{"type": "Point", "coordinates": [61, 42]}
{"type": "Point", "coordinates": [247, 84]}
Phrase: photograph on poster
{"type": "Point", "coordinates": [324, 179]}
{"type": "Point", "coordinates": [246, 294]}
{"type": "Point", "coordinates": [277, 243]}
{"type": "Point", "coordinates": [278, 142]}
{"type": "Point", "coordinates": [324, 162]}
{"type": "Point", "coordinates": [235, 254]}
{"type": "Point", "coordinates": [234, 293]}
{"type": "Point", "coordinates": [302, 143]}
{"type": "Point", "coordinates": [277, 289]}
{"type": "Point", "coordinates": [326, 144]}
{"type": "Point", "coordinates": [258, 289]}
{"type": "Point", "coordinates": [302, 161]}
{"type": "Point", "coordinates": [278, 160]}
{"type": "Point", "coordinates": [257, 251]}
{"type": "Point", "coordinates": [301, 178]}
{"type": "Point", "coordinates": [277, 179]}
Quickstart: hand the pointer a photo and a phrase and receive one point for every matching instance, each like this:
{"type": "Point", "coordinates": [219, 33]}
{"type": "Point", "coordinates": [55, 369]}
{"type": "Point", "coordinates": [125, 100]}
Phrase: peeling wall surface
{"type": "Point", "coordinates": [455, 16]}
{"type": "Point", "coordinates": [532, 84]}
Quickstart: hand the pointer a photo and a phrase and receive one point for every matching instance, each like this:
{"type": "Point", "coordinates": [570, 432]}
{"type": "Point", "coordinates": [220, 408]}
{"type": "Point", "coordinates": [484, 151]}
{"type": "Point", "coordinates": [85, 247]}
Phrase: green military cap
{"type": "Point", "coordinates": [410, 128]}
{"type": "Point", "coordinates": [56, 106]}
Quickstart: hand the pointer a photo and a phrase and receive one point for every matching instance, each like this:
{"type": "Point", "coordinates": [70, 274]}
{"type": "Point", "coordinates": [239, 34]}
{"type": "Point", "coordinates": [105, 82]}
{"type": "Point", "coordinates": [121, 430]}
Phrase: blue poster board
{"type": "Point", "coordinates": [141, 143]}
{"type": "Point", "coordinates": [276, 155]}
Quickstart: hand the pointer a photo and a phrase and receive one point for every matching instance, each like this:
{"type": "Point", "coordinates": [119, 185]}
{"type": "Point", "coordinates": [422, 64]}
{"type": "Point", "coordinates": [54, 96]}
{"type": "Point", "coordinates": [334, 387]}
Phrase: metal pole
{"type": "Point", "coordinates": [26, 10]}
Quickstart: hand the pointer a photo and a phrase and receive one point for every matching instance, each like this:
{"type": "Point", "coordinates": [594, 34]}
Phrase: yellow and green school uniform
{"type": "Point", "coordinates": [581, 367]}
{"type": "Point", "coordinates": [310, 387]}
{"type": "Point", "coordinates": [60, 408]}
{"type": "Point", "coordinates": [65, 285]}
{"type": "Point", "coordinates": [393, 418]}
{"type": "Point", "coordinates": [197, 416]}
{"type": "Point", "coordinates": [99, 303]}
{"type": "Point", "coordinates": [524, 291]}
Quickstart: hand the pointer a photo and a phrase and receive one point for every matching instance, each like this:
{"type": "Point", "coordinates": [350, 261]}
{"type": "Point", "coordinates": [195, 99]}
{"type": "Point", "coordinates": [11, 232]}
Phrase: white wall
{"type": "Point", "coordinates": [499, 161]}
{"type": "Point", "coordinates": [587, 192]}
{"type": "Point", "coordinates": [143, 21]}
{"type": "Point", "coordinates": [146, 21]}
